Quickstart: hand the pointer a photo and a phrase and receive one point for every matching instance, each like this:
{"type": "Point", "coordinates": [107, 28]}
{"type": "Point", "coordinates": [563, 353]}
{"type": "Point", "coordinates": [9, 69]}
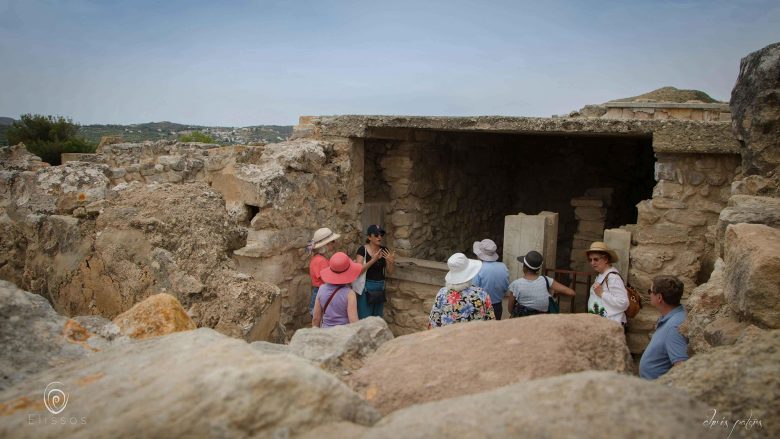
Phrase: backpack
{"type": "Point", "coordinates": [634, 299]}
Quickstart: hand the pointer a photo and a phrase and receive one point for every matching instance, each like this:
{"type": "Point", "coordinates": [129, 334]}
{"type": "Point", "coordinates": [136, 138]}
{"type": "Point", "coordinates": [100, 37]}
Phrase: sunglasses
{"type": "Point", "coordinates": [377, 234]}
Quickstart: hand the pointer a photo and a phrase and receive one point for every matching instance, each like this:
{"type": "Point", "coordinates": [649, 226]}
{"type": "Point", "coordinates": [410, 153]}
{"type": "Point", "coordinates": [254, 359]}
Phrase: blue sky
{"type": "Point", "coordinates": [238, 63]}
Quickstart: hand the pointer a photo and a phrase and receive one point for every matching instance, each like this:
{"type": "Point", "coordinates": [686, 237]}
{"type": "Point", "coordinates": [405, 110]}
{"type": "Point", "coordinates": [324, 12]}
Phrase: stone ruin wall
{"type": "Point", "coordinates": [279, 194]}
{"type": "Point", "coordinates": [437, 197]}
{"type": "Point", "coordinates": [695, 165]}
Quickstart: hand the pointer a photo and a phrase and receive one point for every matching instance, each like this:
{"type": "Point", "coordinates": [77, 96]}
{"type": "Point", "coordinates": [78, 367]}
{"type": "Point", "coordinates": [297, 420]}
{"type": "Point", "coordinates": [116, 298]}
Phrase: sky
{"type": "Point", "coordinates": [241, 63]}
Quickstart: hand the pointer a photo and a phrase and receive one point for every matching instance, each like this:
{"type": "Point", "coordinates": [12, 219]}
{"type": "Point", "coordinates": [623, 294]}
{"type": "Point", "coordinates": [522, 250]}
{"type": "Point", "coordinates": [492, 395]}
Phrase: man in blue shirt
{"type": "Point", "coordinates": [493, 277]}
{"type": "Point", "coordinates": [668, 347]}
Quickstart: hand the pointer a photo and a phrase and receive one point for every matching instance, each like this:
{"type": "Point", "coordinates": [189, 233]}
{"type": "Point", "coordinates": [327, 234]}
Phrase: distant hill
{"type": "Point", "coordinates": [170, 131]}
{"type": "Point", "coordinates": [671, 94]}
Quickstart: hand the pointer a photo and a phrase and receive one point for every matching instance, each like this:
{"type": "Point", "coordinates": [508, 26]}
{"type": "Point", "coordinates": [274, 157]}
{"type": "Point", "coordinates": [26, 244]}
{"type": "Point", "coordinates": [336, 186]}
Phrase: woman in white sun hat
{"type": "Point", "coordinates": [321, 245]}
{"type": "Point", "coordinates": [459, 300]}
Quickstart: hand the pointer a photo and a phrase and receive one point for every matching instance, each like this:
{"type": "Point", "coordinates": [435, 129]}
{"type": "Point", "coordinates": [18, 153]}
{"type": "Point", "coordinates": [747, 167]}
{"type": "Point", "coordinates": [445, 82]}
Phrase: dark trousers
{"type": "Point", "coordinates": [498, 308]}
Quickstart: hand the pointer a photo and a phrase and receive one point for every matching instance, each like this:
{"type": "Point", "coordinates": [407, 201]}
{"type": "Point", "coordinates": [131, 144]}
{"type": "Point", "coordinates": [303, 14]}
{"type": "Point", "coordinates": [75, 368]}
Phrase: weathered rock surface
{"type": "Point", "coordinates": [153, 239]}
{"type": "Point", "coordinates": [200, 383]}
{"type": "Point", "coordinates": [476, 356]}
{"type": "Point", "coordinates": [342, 348]}
{"type": "Point", "coordinates": [156, 315]}
{"type": "Point", "coordinates": [738, 381]}
{"type": "Point", "coordinates": [755, 109]}
{"type": "Point", "coordinates": [751, 210]}
{"type": "Point", "coordinates": [585, 404]}
{"type": "Point", "coordinates": [752, 281]}
{"type": "Point", "coordinates": [34, 337]}
{"type": "Point", "coordinates": [711, 322]}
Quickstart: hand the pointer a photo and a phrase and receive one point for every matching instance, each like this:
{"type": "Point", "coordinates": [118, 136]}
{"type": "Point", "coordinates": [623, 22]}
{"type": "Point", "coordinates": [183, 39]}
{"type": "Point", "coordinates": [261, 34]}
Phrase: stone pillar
{"type": "Point", "coordinates": [620, 241]}
{"type": "Point", "coordinates": [523, 233]}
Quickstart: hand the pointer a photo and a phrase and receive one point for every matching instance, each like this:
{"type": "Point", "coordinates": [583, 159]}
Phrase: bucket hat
{"type": "Point", "coordinates": [600, 247]}
{"type": "Point", "coordinates": [462, 269]}
{"type": "Point", "coordinates": [322, 237]}
{"type": "Point", "coordinates": [485, 250]}
{"type": "Point", "coordinates": [341, 270]}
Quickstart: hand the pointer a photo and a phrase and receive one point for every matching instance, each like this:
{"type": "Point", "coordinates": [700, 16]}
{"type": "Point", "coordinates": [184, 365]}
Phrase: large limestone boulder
{"type": "Point", "coordinates": [755, 110]}
{"type": "Point", "coordinates": [34, 337]}
{"type": "Point", "coordinates": [711, 322]}
{"type": "Point", "coordinates": [739, 381]}
{"type": "Point", "coordinates": [161, 238]}
{"type": "Point", "coordinates": [585, 404]}
{"type": "Point", "coordinates": [58, 189]}
{"type": "Point", "coordinates": [749, 209]}
{"type": "Point", "coordinates": [752, 281]}
{"type": "Point", "coordinates": [157, 315]}
{"type": "Point", "coordinates": [476, 356]}
{"type": "Point", "coordinates": [188, 384]}
{"type": "Point", "coordinates": [342, 348]}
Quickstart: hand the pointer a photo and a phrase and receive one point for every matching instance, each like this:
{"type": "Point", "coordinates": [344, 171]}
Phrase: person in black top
{"type": "Point", "coordinates": [377, 260]}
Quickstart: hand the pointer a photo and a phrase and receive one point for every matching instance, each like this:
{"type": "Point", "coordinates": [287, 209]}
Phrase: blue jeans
{"type": "Point", "coordinates": [368, 310]}
{"type": "Point", "coordinates": [313, 299]}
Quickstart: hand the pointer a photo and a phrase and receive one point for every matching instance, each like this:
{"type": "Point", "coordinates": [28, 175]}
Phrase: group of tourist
{"type": "Point", "coordinates": [475, 288]}
{"type": "Point", "coordinates": [343, 290]}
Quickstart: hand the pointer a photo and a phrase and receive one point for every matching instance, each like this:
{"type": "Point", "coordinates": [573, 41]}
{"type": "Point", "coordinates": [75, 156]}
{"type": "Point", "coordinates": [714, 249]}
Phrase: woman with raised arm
{"type": "Point", "coordinates": [377, 261]}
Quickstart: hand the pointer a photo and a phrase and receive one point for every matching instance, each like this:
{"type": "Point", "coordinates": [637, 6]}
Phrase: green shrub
{"type": "Point", "coordinates": [51, 152]}
{"type": "Point", "coordinates": [48, 136]}
{"type": "Point", "coordinates": [197, 136]}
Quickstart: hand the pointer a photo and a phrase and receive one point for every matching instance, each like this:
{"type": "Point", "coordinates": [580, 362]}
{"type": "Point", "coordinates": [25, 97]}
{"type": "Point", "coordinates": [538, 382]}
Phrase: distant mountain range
{"type": "Point", "coordinates": [169, 130]}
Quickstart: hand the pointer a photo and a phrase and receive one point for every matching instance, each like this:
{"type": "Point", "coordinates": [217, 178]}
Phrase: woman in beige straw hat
{"type": "Point", "coordinates": [608, 294]}
{"type": "Point", "coordinates": [321, 244]}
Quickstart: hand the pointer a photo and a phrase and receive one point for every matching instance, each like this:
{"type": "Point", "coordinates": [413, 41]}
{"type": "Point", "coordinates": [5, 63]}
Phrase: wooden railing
{"type": "Point", "coordinates": [571, 279]}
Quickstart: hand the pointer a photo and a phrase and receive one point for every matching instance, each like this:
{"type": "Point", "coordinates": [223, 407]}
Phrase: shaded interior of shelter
{"type": "Point", "coordinates": [453, 188]}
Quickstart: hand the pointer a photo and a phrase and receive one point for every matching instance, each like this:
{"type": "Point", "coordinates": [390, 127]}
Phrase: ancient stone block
{"type": "Point", "coordinates": [686, 217]}
{"type": "Point", "coordinates": [392, 378]}
{"type": "Point", "coordinates": [694, 177]}
{"type": "Point", "coordinates": [752, 256]}
{"type": "Point", "coordinates": [587, 202]}
{"type": "Point", "coordinates": [736, 381]}
{"type": "Point", "coordinates": [668, 189]}
{"type": "Point", "coordinates": [590, 213]}
{"type": "Point", "coordinates": [667, 203]}
{"type": "Point", "coordinates": [662, 233]}
{"type": "Point", "coordinates": [155, 316]}
{"type": "Point", "coordinates": [646, 213]}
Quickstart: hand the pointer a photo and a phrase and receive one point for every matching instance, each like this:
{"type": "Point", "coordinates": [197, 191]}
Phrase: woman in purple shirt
{"type": "Point", "coordinates": [336, 303]}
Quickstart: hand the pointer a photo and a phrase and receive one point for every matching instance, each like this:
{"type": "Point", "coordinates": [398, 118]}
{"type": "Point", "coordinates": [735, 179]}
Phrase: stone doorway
{"type": "Point", "coordinates": [442, 190]}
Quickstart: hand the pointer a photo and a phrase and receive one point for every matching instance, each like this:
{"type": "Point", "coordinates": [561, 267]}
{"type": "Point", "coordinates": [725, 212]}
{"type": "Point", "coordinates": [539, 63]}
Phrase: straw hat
{"type": "Point", "coordinates": [322, 237]}
{"type": "Point", "coordinates": [462, 269]}
{"type": "Point", "coordinates": [600, 247]}
{"type": "Point", "coordinates": [341, 270]}
{"type": "Point", "coordinates": [486, 250]}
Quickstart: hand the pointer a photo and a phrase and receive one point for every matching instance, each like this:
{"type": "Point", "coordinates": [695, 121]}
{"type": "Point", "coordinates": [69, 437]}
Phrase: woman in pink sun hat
{"type": "Point", "coordinates": [336, 303]}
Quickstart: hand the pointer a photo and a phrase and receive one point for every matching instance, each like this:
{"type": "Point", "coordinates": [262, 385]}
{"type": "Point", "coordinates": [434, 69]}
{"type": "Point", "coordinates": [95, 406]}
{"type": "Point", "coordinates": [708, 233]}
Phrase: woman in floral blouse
{"type": "Point", "coordinates": [460, 301]}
